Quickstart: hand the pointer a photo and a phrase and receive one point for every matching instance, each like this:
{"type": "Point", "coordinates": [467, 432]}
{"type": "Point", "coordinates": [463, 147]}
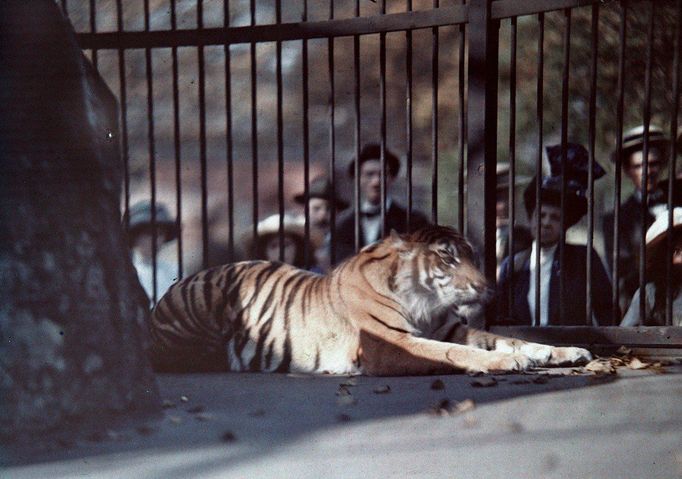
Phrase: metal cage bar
{"type": "Point", "coordinates": [538, 165]}
{"type": "Point", "coordinates": [176, 141]}
{"type": "Point", "coordinates": [594, 48]}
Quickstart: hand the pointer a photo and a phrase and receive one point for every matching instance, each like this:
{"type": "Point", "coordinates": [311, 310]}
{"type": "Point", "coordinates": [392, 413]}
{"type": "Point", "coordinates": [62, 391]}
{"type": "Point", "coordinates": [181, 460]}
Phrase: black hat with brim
{"type": "Point", "coordinates": [372, 151]}
{"type": "Point", "coordinates": [322, 188]}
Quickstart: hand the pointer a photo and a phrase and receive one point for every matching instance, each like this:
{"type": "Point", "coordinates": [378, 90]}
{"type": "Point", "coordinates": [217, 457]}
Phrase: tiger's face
{"type": "Point", "coordinates": [436, 270]}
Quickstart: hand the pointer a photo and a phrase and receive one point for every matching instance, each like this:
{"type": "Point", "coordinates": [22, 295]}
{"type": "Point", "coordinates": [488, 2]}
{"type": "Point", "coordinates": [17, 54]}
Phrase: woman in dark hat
{"type": "Point", "coordinates": [547, 243]}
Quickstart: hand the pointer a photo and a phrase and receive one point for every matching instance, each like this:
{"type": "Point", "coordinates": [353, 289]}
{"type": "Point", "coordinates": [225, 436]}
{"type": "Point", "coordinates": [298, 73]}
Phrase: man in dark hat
{"type": "Point", "coordinates": [321, 202]}
{"type": "Point", "coordinates": [630, 218]}
{"type": "Point", "coordinates": [370, 204]}
{"type": "Point", "coordinates": [546, 243]}
{"type": "Point", "coordinates": [141, 234]}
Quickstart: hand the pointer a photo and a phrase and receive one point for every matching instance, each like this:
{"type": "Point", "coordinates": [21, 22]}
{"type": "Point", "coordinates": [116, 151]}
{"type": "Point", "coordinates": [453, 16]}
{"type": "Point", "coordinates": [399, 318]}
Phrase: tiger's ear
{"type": "Point", "coordinates": [395, 237]}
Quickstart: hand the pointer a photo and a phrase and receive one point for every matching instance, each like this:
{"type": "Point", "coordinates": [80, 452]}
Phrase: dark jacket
{"type": "Point", "coordinates": [630, 235]}
{"type": "Point", "coordinates": [396, 218]}
{"type": "Point", "coordinates": [575, 296]}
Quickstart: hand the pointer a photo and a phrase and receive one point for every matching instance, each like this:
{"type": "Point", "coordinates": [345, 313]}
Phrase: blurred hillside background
{"type": "Point", "coordinates": [449, 107]}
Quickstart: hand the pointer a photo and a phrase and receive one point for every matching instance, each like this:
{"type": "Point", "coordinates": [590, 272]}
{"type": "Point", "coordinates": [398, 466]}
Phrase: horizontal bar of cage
{"type": "Point", "coordinates": [501, 10]}
{"type": "Point", "coordinates": [393, 22]}
{"type": "Point", "coordinates": [649, 336]}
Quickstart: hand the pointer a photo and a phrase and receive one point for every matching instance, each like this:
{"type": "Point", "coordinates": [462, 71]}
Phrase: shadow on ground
{"type": "Point", "coordinates": [233, 417]}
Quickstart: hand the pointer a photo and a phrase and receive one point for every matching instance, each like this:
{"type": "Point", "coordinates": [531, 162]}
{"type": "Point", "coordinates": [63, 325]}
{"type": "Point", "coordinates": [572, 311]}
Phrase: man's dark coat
{"type": "Point", "coordinates": [575, 292]}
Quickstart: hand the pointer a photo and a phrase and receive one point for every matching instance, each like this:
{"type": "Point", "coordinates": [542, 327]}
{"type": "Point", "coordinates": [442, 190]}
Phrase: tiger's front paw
{"type": "Point", "coordinates": [495, 362]}
{"type": "Point", "coordinates": [569, 356]}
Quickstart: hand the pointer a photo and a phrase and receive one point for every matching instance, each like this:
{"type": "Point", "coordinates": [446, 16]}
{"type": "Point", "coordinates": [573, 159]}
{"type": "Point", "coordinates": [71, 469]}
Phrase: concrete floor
{"type": "Point", "coordinates": [627, 425]}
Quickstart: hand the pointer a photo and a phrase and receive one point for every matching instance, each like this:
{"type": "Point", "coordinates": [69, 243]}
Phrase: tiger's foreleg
{"type": "Point", "coordinates": [540, 354]}
{"type": "Point", "coordinates": [403, 354]}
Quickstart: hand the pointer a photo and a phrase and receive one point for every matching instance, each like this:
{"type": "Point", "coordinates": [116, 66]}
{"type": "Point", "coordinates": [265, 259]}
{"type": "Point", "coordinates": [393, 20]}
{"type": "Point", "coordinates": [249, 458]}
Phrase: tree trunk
{"type": "Point", "coordinates": [72, 313]}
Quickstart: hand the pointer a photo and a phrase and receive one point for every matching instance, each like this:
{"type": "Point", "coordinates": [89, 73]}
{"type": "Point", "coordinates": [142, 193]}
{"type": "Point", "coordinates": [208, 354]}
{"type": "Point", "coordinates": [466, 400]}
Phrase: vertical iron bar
{"type": "Point", "coordinates": [176, 140]}
{"type": "Point", "coordinates": [564, 140]}
{"type": "Point", "coordinates": [228, 136]}
{"type": "Point", "coordinates": [332, 134]}
{"type": "Point", "coordinates": [618, 167]}
{"type": "Point", "coordinates": [382, 101]}
{"type": "Point", "coordinates": [434, 120]}
{"type": "Point", "coordinates": [538, 165]}
{"type": "Point", "coordinates": [673, 160]}
{"type": "Point", "coordinates": [512, 161]}
{"type": "Point", "coordinates": [358, 131]}
{"type": "Point", "coordinates": [93, 29]}
{"type": "Point", "coordinates": [254, 129]}
{"type": "Point", "coordinates": [408, 119]}
{"type": "Point", "coordinates": [482, 148]}
{"type": "Point", "coordinates": [306, 150]}
{"type": "Point", "coordinates": [462, 127]}
{"type": "Point", "coordinates": [124, 114]}
{"type": "Point", "coordinates": [590, 169]}
{"type": "Point", "coordinates": [280, 139]}
{"type": "Point", "coordinates": [152, 152]}
{"type": "Point", "coordinates": [202, 140]}
{"type": "Point", "coordinates": [645, 167]}
{"type": "Point", "coordinates": [65, 9]}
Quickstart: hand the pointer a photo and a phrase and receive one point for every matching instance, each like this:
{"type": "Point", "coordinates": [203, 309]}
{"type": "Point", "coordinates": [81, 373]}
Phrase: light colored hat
{"type": "Point", "coordinates": [633, 140]}
{"type": "Point", "coordinates": [657, 231]}
{"type": "Point", "coordinates": [293, 224]}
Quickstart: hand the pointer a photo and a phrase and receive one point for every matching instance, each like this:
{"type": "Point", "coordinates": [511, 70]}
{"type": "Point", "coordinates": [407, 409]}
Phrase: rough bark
{"type": "Point", "coordinates": [72, 312]}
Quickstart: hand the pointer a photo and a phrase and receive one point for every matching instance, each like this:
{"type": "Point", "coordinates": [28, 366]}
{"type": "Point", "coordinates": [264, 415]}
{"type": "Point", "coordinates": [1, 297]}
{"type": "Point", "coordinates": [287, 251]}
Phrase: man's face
{"type": "Point", "coordinates": [635, 166]}
{"type": "Point", "coordinates": [550, 225]}
{"type": "Point", "coordinates": [272, 249]}
{"type": "Point", "coordinates": [319, 212]}
{"type": "Point", "coordinates": [143, 242]}
{"type": "Point", "coordinates": [370, 181]}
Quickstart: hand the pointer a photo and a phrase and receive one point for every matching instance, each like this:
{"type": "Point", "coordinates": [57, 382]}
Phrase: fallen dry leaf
{"type": "Point", "coordinates": [203, 417]}
{"type": "Point", "coordinates": [184, 398]}
{"type": "Point", "coordinates": [635, 363]}
{"type": "Point", "coordinates": [350, 382]}
{"type": "Point", "coordinates": [382, 389]}
{"type": "Point", "coordinates": [167, 404]}
{"type": "Point", "coordinates": [343, 391]}
{"type": "Point", "coordinates": [438, 385]}
{"type": "Point", "coordinates": [484, 382]}
{"type": "Point", "coordinates": [600, 366]}
{"type": "Point", "coordinates": [624, 351]}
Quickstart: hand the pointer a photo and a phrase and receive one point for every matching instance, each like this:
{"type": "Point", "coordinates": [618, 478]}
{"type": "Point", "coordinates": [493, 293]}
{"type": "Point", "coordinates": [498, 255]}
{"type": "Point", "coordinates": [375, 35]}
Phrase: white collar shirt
{"type": "Point", "coordinates": [546, 258]}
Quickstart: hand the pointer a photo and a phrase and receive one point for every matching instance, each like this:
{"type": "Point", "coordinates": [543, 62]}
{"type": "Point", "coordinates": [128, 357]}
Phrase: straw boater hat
{"type": "Point", "coordinates": [633, 140]}
{"type": "Point", "coordinates": [502, 177]}
{"type": "Point", "coordinates": [140, 215]}
{"type": "Point", "coordinates": [577, 168]}
{"type": "Point", "coordinates": [657, 232]}
{"type": "Point", "coordinates": [321, 187]}
{"type": "Point", "coordinates": [372, 151]}
{"type": "Point", "coordinates": [294, 225]}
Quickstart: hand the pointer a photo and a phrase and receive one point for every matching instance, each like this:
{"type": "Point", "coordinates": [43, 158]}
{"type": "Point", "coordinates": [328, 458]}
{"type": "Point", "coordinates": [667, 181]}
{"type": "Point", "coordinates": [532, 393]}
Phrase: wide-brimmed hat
{"type": "Point", "coordinates": [576, 177]}
{"type": "Point", "coordinates": [633, 140]}
{"type": "Point", "coordinates": [294, 225]}
{"type": "Point", "coordinates": [140, 218]}
{"type": "Point", "coordinates": [321, 187]}
{"type": "Point", "coordinates": [372, 151]}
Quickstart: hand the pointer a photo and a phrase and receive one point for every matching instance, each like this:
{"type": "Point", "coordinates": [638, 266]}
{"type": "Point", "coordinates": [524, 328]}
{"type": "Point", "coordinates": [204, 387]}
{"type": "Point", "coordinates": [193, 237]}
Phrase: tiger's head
{"type": "Point", "coordinates": [433, 270]}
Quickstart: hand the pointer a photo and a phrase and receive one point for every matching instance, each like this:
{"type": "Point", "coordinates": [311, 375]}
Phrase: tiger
{"type": "Point", "coordinates": [398, 307]}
